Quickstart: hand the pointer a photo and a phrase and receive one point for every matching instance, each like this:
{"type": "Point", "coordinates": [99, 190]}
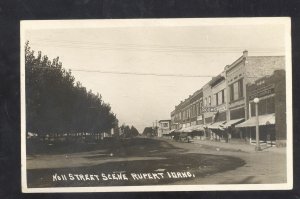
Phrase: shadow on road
{"type": "Point", "coordinates": [246, 180]}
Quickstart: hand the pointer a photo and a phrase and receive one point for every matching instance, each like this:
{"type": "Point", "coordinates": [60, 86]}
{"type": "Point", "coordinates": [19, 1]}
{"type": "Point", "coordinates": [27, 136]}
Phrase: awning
{"type": "Point", "coordinates": [198, 127]}
{"type": "Point", "coordinates": [233, 122]}
{"type": "Point", "coordinates": [217, 125]}
{"type": "Point", "coordinates": [263, 120]}
{"type": "Point", "coordinates": [187, 129]}
{"type": "Point", "coordinates": [169, 132]}
{"type": "Point", "coordinates": [192, 129]}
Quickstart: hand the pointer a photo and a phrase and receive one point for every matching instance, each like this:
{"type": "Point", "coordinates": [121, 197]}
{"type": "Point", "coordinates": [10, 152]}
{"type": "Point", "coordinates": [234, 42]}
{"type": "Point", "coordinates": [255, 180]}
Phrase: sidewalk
{"type": "Point", "coordinates": [242, 147]}
{"type": "Point", "coordinates": [266, 167]}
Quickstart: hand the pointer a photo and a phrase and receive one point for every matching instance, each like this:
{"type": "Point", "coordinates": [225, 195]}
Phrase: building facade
{"type": "Point", "coordinates": [271, 109]}
{"type": "Point", "coordinates": [225, 101]}
{"type": "Point", "coordinates": [164, 127]}
{"type": "Point", "coordinates": [246, 70]}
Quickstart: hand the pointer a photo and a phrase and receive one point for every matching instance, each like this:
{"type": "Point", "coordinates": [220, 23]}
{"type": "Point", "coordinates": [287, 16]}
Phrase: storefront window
{"type": "Point", "coordinates": [265, 106]}
{"type": "Point", "coordinates": [271, 105]}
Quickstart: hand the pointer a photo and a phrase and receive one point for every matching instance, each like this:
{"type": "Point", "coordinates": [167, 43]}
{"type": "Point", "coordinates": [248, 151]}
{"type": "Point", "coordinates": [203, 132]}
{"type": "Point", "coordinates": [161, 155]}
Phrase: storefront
{"type": "Point", "coordinates": [269, 90]}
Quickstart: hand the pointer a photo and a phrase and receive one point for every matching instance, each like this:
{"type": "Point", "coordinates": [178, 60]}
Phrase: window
{"type": "Point", "coordinates": [231, 92]}
{"type": "Point", "coordinates": [270, 105]}
{"type": "Point", "coordinates": [223, 96]}
{"type": "Point", "coordinates": [200, 105]}
{"type": "Point", "coordinates": [237, 113]}
{"type": "Point", "coordinates": [262, 107]}
{"type": "Point", "coordinates": [217, 100]}
{"type": "Point", "coordinates": [236, 90]}
{"type": "Point", "coordinates": [240, 83]}
{"type": "Point", "coordinates": [205, 102]}
{"type": "Point", "coordinates": [265, 106]}
{"type": "Point", "coordinates": [220, 97]}
{"type": "Point", "coordinates": [165, 125]}
{"type": "Point", "coordinates": [209, 100]}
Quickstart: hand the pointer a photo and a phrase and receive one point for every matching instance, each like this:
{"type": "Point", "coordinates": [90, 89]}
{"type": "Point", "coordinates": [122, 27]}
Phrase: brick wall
{"type": "Point", "coordinates": [259, 66]}
{"type": "Point", "coordinates": [280, 107]}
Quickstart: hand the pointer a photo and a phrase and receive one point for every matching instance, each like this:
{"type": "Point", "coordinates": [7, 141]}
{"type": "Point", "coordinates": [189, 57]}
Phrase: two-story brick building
{"type": "Point", "coordinates": [246, 70]}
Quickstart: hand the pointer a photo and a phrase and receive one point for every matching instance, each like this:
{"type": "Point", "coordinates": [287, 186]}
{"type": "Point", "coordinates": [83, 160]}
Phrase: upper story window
{"type": "Point", "coordinates": [220, 98]}
{"type": "Point", "coordinates": [236, 90]}
{"type": "Point", "coordinates": [165, 124]}
{"type": "Point", "coordinates": [209, 100]}
{"type": "Point", "coordinates": [195, 110]}
{"type": "Point", "coordinates": [200, 105]}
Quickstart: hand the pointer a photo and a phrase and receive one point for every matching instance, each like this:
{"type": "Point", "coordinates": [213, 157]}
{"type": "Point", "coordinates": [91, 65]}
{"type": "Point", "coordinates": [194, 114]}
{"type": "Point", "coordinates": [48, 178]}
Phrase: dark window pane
{"type": "Point", "coordinates": [262, 107]}
{"type": "Point", "coordinates": [237, 113]}
{"type": "Point", "coordinates": [231, 92]}
{"type": "Point", "coordinates": [223, 97]}
{"type": "Point", "coordinates": [241, 88]}
{"type": "Point", "coordinates": [270, 105]}
{"type": "Point", "coordinates": [253, 109]}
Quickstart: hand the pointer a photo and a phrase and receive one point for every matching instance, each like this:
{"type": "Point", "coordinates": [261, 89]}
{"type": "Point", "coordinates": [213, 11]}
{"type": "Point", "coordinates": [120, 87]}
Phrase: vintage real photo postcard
{"type": "Point", "coordinates": [156, 105]}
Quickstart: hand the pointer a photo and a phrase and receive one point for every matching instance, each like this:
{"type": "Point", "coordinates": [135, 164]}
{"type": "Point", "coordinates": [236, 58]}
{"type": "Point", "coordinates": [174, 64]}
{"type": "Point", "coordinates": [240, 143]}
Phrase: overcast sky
{"type": "Point", "coordinates": [98, 55]}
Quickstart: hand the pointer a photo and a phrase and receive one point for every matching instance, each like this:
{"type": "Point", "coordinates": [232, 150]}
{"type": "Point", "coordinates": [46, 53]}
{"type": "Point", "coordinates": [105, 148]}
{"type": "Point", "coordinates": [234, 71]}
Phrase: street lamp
{"type": "Point", "coordinates": [257, 148]}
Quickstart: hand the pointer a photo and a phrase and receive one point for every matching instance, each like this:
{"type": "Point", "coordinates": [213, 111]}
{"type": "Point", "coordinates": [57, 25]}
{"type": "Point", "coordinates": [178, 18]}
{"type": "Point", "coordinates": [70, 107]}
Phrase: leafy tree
{"type": "Point", "coordinates": [134, 131]}
{"type": "Point", "coordinates": [148, 131]}
{"type": "Point", "coordinates": [55, 104]}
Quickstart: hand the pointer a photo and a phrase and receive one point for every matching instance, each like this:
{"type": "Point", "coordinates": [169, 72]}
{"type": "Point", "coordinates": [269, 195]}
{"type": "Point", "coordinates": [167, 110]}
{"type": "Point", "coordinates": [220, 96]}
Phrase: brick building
{"type": "Point", "coordinates": [271, 109]}
{"type": "Point", "coordinates": [223, 102]}
{"type": "Point", "coordinates": [246, 70]}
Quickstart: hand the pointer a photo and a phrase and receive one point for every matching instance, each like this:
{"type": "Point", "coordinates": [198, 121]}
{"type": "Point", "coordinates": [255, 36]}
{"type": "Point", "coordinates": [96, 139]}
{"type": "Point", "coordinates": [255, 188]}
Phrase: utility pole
{"type": "Point", "coordinates": [257, 147]}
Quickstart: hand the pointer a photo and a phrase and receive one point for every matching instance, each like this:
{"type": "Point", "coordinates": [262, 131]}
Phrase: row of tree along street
{"type": "Point", "coordinates": [150, 131]}
{"type": "Point", "coordinates": [57, 106]}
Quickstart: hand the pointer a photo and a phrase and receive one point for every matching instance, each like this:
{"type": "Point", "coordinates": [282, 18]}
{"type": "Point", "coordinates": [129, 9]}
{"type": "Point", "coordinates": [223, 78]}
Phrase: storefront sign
{"type": "Point", "coordinates": [207, 109]}
{"type": "Point", "coordinates": [262, 93]}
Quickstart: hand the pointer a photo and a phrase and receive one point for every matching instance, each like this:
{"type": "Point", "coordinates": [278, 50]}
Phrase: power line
{"type": "Point", "coordinates": [142, 74]}
{"type": "Point", "coordinates": [146, 47]}
{"type": "Point", "coordinates": [139, 74]}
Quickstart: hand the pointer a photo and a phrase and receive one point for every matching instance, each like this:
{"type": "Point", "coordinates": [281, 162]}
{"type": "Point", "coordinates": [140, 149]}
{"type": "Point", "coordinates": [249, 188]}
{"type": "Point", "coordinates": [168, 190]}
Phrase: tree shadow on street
{"type": "Point", "coordinates": [246, 180]}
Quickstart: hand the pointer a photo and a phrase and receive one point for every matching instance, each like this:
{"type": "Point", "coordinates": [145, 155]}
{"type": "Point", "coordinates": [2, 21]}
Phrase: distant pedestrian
{"type": "Point", "coordinates": [229, 136]}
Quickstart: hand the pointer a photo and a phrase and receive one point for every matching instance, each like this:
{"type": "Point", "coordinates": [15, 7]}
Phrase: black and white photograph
{"type": "Point", "coordinates": [127, 105]}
